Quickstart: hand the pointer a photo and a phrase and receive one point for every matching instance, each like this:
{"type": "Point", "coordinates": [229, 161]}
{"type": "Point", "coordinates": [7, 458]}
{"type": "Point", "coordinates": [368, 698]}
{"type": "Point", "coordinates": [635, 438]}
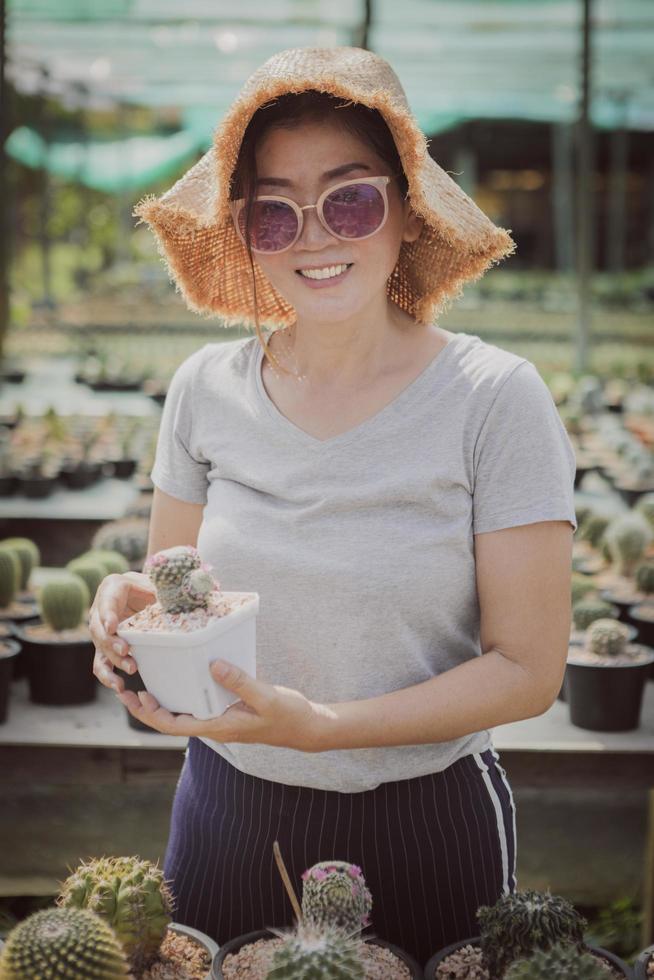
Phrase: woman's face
{"type": "Point", "coordinates": [296, 163]}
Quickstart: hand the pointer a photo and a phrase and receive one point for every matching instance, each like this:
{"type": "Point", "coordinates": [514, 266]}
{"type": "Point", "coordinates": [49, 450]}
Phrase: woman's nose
{"type": "Point", "coordinates": [313, 235]}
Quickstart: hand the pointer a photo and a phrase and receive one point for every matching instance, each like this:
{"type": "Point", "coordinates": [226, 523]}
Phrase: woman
{"type": "Point", "coordinates": [401, 498]}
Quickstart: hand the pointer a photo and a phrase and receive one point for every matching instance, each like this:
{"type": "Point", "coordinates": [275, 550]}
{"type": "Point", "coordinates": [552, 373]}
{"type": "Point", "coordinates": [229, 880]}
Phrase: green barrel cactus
{"type": "Point", "coordinates": [182, 580]}
{"type": "Point", "coordinates": [607, 637]}
{"type": "Point", "coordinates": [113, 561]}
{"type": "Point", "coordinates": [644, 576]}
{"type": "Point", "coordinates": [91, 572]}
{"type": "Point", "coordinates": [28, 555]}
{"type": "Point", "coordinates": [64, 601]}
{"type": "Point", "coordinates": [593, 528]}
{"type": "Point", "coordinates": [71, 943]}
{"type": "Point", "coordinates": [131, 896]}
{"type": "Point", "coordinates": [334, 893]}
{"type": "Point", "coordinates": [521, 923]}
{"type": "Point", "coordinates": [627, 538]}
{"type": "Point", "coordinates": [580, 586]}
{"type": "Point", "coordinates": [588, 610]}
{"type": "Point", "coordinates": [561, 962]}
{"type": "Point", "coordinates": [9, 576]}
{"type": "Point", "coordinates": [317, 954]}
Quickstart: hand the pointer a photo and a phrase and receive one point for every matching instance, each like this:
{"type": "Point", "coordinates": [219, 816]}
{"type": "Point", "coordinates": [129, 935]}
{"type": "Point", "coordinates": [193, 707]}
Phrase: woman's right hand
{"type": "Point", "coordinates": [118, 597]}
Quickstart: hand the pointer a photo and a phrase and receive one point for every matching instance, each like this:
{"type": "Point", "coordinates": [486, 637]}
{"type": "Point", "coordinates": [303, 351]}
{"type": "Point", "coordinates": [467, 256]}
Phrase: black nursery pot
{"type": "Point", "coordinates": [640, 965]}
{"type": "Point", "coordinates": [606, 699]}
{"type": "Point", "coordinates": [234, 945]}
{"type": "Point", "coordinates": [123, 468]}
{"type": "Point", "coordinates": [59, 673]}
{"type": "Point", "coordinates": [432, 964]}
{"type": "Point", "coordinates": [9, 650]}
{"type": "Point", "coordinates": [134, 682]}
{"type": "Point", "coordinates": [36, 487]}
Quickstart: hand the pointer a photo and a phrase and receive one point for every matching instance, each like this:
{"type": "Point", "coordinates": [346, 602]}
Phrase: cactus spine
{"type": "Point", "coordinates": [334, 893]}
{"type": "Point", "coordinates": [131, 896]}
{"type": "Point", "coordinates": [63, 602]}
{"type": "Point", "coordinates": [182, 580]}
{"type": "Point", "coordinates": [69, 943]}
{"type": "Point", "coordinates": [607, 637]}
{"type": "Point", "coordinates": [521, 923]}
{"type": "Point", "coordinates": [558, 963]}
{"type": "Point", "coordinates": [9, 576]}
{"type": "Point", "coordinates": [28, 555]}
{"type": "Point", "coordinates": [317, 954]}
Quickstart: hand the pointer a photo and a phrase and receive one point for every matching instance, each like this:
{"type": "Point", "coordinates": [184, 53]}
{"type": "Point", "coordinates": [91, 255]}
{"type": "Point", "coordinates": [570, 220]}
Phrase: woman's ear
{"type": "Point", "coordinates": [412, 225]}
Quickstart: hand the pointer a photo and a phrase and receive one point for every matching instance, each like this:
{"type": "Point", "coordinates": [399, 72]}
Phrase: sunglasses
{"type": "Point", "coordinates": [351, 210]}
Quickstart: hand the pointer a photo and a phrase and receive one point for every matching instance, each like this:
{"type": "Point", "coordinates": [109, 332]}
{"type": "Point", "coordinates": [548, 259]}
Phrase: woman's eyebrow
{"type": "Point", "coordinates": [336, 172]}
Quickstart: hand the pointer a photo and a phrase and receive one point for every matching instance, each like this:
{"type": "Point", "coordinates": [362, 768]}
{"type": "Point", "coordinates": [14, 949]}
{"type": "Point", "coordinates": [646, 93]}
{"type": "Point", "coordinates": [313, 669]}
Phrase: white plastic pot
{"type": "Point", "coordinates": [175, 665]}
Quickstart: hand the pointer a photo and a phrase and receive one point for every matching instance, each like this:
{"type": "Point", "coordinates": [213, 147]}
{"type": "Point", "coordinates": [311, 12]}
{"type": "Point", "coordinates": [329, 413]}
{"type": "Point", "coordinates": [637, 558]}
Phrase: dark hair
{"type": "Point", "coordinates": [288, 111]}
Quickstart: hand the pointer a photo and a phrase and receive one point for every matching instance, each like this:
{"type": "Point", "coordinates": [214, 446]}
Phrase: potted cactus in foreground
{"type": "Point", "coordinates": [326, 940]}
{"type": "Point", "coordinates": [132, 897]}
{"type": "Point", "coordinates": [515, 932]}
{"type": "Point", "coordinates": [191, 623]}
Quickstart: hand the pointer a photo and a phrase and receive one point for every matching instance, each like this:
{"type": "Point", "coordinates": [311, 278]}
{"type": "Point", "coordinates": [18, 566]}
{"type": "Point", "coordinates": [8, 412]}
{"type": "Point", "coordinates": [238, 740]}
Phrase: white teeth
{"type": "Point", "coordinates": [327, 273]}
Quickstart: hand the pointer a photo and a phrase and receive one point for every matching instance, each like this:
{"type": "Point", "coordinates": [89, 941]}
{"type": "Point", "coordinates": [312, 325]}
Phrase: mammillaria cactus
{"type": "Point", "coordinates": [182, 580]}
{"type": "Point", "coordinates": [131, 896]}
{"type": "Point", "coordinates": [317, 954]}
{"type": "Point", "coordinates": [91, 572]}
{"type": "Point", "coordinates": [588, 610]}
{"type": "Point", "coordinates": [521, 923]}
{"type": "Point", "coordinates": [28, 555]}
{"type": "Point", "coordinates": [334, 893]}
{"type": "Point", "coordinates": [627, 539]}
{"type": "Point", "coordinates": [63, 601]}
{"type": "Point", "coordinates": [645, 577]}
{"type": "Point", "coordinates": [561, 962]}
{"type": "Point", "coordinates": [607, 637]}
{"type": "Point", "coordinates": [9, 576]}
{"type": "Point", "coordinates": [71, 943]}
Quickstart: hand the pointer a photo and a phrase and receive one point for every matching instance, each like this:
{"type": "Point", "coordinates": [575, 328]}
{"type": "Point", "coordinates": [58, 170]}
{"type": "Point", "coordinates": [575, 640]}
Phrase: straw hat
{"type": "Point", "coordinates": [208, 261]}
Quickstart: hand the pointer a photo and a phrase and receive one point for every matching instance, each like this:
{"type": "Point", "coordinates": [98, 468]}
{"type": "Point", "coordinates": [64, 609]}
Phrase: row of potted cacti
{"type": "Point", "coordinates": [39, 453]}
{"type": "Point", "coordinates": [113, 918]}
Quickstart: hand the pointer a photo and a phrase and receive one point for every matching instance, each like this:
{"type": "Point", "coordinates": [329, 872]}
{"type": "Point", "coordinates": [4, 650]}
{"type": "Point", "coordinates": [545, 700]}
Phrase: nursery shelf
{"type": "Point", "coordinates": [105, 500]}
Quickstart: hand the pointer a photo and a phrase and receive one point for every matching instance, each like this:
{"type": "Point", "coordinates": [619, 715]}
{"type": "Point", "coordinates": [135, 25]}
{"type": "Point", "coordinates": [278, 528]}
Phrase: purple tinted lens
{"type": "Point", "coordinates": [354, 211]}
{"type": "Point", "coordinates": [273, 225]}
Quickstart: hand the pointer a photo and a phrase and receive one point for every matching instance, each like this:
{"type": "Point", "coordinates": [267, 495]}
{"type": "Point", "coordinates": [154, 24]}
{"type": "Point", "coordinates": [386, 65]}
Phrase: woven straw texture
{"type": "Point", "coordinates": [208, 262]}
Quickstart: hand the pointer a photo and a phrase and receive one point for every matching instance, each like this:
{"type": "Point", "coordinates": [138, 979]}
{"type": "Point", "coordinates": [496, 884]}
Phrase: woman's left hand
{"type": "Point", "coordinates": [266, 713]}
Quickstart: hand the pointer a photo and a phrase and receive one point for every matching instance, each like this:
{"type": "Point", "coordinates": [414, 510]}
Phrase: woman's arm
{"type": "Point", "coordinates": [172, 522]}
{"type": "Point", "coordinates": [523, 582]}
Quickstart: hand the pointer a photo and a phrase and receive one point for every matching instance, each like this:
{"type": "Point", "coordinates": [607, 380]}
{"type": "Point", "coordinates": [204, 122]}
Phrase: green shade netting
{"type": "Point", "coordinates": [120, 165]}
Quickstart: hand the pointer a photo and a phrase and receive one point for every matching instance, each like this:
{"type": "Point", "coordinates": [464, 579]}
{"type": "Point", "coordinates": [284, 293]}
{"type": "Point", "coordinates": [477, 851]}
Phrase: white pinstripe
{"type": "Point", "coordinates": [502, 772]}
{"type": "Point", "coordinates": [501, 830]}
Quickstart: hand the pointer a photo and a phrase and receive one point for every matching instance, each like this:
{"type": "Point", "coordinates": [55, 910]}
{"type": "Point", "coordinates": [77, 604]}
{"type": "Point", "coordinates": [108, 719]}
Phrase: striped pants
{"type": "Point", "coordinates": [432, 848]}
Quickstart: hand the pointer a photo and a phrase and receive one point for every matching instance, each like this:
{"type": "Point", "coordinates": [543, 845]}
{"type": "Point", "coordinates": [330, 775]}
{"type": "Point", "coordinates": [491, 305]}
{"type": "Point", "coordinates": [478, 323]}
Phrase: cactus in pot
{"type": "Point", "coordinates": [334, 893]}
{"type": "Point", "coordinates": [127, 536]}
{"type": "Point", "coordinates": [183, 582]}
{"type": "Point", "coordinates": [131, 895]}
{"type": "Point", "coordinates": [91, 572]}
{"type": "Point", "coordinates": [28, 555]}
{"type": "Point", "coordinates": [521, 923]}
{"type": "Point", "coordinates": [72, 943]}
{"type": "Point", "coordinates": [593, 527]}
{"type": "Point", "coordinates": [113, 561]}
{"type": "Point", "coordinates": [309, 953]}
{"type": "Point", "coordinates": [580, 586]}
{"type": "Point", "coordinates": [607, 637]}
{"type": "Point", "coordinates": [645, 506]}
{"type": "Point", "coordinates": [644, 575]}
{"type": "Point", "coordinates": [560, 962]}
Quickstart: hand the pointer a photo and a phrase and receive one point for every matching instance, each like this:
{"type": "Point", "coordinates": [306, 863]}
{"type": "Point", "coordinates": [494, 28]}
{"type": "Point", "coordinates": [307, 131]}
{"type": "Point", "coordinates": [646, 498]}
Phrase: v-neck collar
{"type": "Point", "coordinates": [436, 364]}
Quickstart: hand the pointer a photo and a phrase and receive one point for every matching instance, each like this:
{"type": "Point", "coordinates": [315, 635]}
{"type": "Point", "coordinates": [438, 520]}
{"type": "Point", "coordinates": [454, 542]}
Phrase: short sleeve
{"type": "Point", "coordinates": [524, 462]}
{"type": "Point", "coordinates": [180, 469]}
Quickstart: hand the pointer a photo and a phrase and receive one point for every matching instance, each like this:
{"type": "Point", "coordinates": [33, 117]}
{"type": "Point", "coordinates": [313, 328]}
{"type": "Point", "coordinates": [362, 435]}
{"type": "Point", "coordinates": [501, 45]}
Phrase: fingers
{"type": "Point", "coordinates": [108, 605]}
{"type": "Point", "coordinates": [103, 670]}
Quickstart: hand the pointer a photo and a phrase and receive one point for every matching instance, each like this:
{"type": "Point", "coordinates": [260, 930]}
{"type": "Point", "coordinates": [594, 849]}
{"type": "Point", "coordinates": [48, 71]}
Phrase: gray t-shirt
{"type": "Point", "coordinates": [361, 546]}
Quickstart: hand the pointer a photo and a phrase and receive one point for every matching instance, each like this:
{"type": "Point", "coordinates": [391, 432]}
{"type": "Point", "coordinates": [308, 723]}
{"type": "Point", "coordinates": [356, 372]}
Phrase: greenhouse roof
{"type": "Point", "coordinates": [457, 59]}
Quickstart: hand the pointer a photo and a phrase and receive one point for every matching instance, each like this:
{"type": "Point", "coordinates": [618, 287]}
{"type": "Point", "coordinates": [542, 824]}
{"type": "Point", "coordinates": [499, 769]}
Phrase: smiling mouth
{"type": "Point", "coordinates": [336, 271]}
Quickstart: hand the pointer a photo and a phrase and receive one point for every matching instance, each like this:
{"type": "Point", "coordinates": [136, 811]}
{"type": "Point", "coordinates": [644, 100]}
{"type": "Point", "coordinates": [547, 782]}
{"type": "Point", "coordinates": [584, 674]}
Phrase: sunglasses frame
{"type": "Point", "coordinates": [380, 183]}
